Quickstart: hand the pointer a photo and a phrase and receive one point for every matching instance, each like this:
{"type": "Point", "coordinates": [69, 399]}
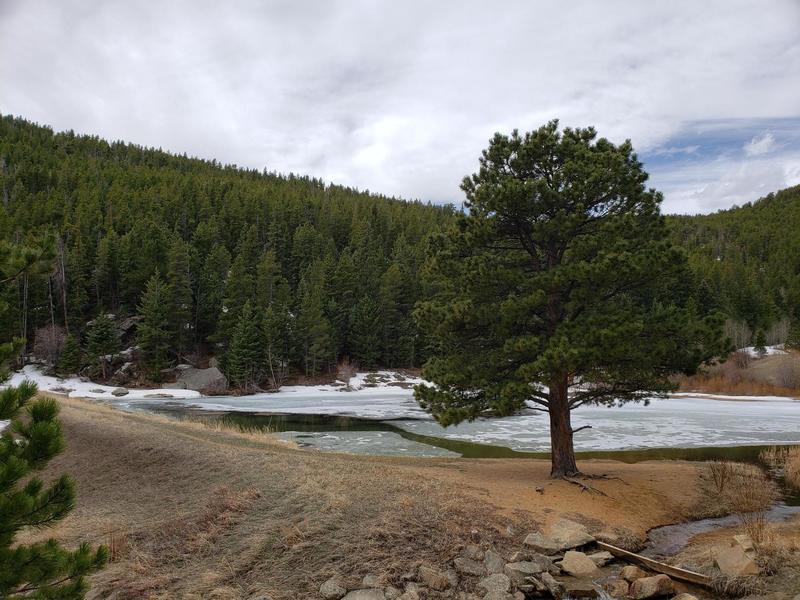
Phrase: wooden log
{"type": "Point", "coordinates": [659, 567]}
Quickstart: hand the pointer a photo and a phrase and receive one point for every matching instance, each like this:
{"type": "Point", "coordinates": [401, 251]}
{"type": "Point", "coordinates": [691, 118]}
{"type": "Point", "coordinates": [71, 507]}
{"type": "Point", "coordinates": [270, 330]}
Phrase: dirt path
{"type": "Point", "coordinates": [192, 512]}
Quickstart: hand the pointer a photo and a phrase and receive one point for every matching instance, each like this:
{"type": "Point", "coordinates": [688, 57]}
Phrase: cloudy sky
{"type": "Point", "coordinates": [400, 97]}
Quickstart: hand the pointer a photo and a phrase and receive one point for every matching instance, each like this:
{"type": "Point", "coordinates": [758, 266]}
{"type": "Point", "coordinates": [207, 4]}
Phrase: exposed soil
{"type": "Point", "coordinates": [195, 512]}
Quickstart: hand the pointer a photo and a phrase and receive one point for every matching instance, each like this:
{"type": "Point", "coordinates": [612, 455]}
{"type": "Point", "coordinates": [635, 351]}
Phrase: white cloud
{"type": "Point", "coordinates": [398, 98]}
{"type": "Point", "coordinates": [760, 144]}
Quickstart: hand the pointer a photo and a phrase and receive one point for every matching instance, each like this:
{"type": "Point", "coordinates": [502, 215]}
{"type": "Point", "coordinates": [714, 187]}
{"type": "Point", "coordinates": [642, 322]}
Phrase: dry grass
{"type": "Point", "coordinates": [786, 460]}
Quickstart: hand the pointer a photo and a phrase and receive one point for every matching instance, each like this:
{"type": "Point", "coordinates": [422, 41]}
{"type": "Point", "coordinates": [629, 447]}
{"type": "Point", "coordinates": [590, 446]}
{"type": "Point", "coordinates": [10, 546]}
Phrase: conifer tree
{"type": "Point", "coordinates": [211, 290]}
{"type": "Point", "coordinates": [244, 362]}
{"type": "Point", "coordinates": [793, 340]}
{"type": "Point", "coordinates": [277, 340]}
{"type": "Point", "coordinates": [179, 296]}
{"type": "Point", "coordinates": [314, 332]}
{"type": "Point", "coordinates": [558, 289]}
{"type": "Point", "coordinates": [102, 342]}
{"type": "Point", "coordinates": [761, 343]}
{"type": "Point", "coordinates": [71, 359]}
{"type": "Point", "coordinates": [366, 332]}
{"type": "Point", "coordinates": [154, 335]}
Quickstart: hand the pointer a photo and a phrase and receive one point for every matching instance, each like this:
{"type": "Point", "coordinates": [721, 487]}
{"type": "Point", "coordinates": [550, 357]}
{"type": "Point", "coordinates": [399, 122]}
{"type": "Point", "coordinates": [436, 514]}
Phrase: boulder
{"type": "Point", "coordinates": [472, 552]}
{"type": "Point", "coordinates": [209, 380]}
{"type": "Point", "coordinates": [652, 587]}
{"type": "Point", "coordinates": [601, 559]}
{"type": "Point", "coordinates": [735, 562]}
{"type": "Point", "coordinates": [332, 590]}
{"type": "Point", "coordinates": [746, 543]}
{"type": "Point", "coordinates": [158, 395]}
{"type": "Point", "coordinates": [631, 573]}
{"type": "Point", "coordinates": [555, 587]}
{"type": "Point", "coordinates": [518, 571]}
{"type": "Point", "coordinates": [495, 583]}
{"type": "Point", "coordinates": [468, 566]}
{"type": "Point", "coordinates": [493, 562]}
{"type": "Point", "coordinates": [569, 534]}
{"type": "Point", "coordinates": [371, 594]}
{"type": "Point", "coordinates": [120, 391]}
{"type": "Point", "coordinates": [581, 589]}
{"type": "Point", "coordinates": [391, 593]}
{"type": "Point", "coordinates": [578, 564]}
{"type": "Point", "coordinates": [541, 543]}
{"type": "Point", "coordinates": [616, 588]}
{"type": "Point", "coordinates": [433, 578]}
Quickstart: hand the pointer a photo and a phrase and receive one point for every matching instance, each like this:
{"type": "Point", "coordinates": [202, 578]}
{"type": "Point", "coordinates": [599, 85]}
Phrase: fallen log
{"type": "Point", "coordinates": [658, 567]}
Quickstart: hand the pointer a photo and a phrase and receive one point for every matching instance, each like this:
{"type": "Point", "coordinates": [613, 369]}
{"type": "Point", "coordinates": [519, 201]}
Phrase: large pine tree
{"type": "Point", "coordinates": [244, 362]}
{"type": "Point", "coordinates": [558, 289]}
{"type": "Point", "coordinates": [154, 334]}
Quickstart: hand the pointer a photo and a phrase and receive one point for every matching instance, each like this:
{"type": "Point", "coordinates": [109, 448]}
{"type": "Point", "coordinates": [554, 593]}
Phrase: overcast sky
{"type": "Point", "coordinates": [399, 97]}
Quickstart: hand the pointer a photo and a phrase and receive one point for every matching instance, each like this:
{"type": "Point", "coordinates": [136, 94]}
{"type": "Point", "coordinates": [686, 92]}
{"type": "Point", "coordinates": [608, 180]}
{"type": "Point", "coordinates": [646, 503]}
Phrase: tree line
{"type": "Point", "coordinates": [272, 274]}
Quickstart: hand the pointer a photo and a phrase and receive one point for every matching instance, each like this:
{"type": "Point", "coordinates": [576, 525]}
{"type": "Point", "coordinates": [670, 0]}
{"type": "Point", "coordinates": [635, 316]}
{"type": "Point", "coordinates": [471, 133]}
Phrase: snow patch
{"type": "Point", "coordinates": [770, 350]}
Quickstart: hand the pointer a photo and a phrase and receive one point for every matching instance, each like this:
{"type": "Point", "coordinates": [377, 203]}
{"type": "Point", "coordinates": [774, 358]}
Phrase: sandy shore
{"type": "Point", "coordinates": [196, 512]}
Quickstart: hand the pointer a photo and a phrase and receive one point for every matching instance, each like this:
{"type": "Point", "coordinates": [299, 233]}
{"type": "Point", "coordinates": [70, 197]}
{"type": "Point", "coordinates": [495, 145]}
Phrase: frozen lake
{"type": "Point", "coordinates": [680, 421]}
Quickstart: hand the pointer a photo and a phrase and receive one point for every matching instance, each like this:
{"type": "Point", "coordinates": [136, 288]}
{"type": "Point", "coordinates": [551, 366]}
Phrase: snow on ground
{"type": "Point", "coordinates": [77, 388]}
{"type": "Point", "coordinates": [770, 350]}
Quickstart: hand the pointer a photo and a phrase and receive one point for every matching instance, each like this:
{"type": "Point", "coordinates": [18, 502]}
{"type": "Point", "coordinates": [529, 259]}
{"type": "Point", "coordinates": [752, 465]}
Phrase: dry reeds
{"type": "Point", "coordinates": [785, 459]}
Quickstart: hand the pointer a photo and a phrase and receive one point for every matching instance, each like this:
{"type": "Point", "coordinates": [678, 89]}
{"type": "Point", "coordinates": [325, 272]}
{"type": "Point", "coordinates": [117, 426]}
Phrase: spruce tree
{"type": "Point", "coordinates": [558, 289]}
{"type": "Point", "coordinates": [315, 341]}
{"type": "Point", "coordinates": [793, 340]}
{"type": "Point", "coordinates": [277, 340]}
{"type": "Point", "coordinates": [179, 296]}
{"type": "Point", "coordinates": [761, 343]}
{"type": "Point", "coordinates": [71, 359]}
{"type": "Point", "coordinates": [366, 332]}
{"type": "Point", "coordinates": [154, 334]}
{"type": "Point", "coordinates": [102, 342]}
{"type": "Point", "coordinates": [244, 362]}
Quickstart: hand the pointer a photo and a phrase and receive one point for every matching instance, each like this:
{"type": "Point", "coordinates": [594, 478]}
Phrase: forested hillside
{"type": "Point", "coordinates": [746, 261]}
{"type": "Point", "coordinates": [269, 273]}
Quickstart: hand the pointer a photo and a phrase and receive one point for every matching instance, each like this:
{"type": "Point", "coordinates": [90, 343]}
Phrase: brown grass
{"type": "Point", "coordinates": [197, 511]}
{"type": "Point", "coordinates": [785, 459]}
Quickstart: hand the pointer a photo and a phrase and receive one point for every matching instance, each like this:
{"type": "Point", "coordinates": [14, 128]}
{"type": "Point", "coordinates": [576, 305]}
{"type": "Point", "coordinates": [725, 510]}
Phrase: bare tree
{"type": "Point", "coordinates": [48, 343]}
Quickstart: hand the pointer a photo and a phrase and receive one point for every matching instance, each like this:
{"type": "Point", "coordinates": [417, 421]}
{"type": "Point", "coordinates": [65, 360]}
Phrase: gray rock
{"type": "Point", "coordinates": [652, 587]}
{"type": "Point", "coordinates": [555, 587]}
{"type": "Point", "coordinates": [209, 380]}
{"type": "Point", "coordinates": [581, 589]}
{"type": "Point", "coordinates": [541, 543]}
{"type": "Point", "coordinates": [391, 593]}
{"type": "Point", "coordinates": [373, 594]}
{"type": "Point", "coordinates": [498, 596]}
{"type": "Point", "coordinates": [97, 391]}
{"type": "Point", "coordinates": [493, 562]}
{"type": "Point", "coordinates": [735, 562]}
{"type": "Point", "coordinates": [569, 534]}
{"type": "Point", "coordinates": [332, 590]}
{"type": "Point", "coordinates": [433, 578]}
{"type": "Point", "coordinates": [158, 395]}
{"type": "Point", "coordinates": [601, 559]}
{"type": "Point", "coordinates": [472, 552]}
{"type": "Point", "coordinates": [468, 566]}
{"type": "Point", "coordinates": [518, 571]}
{"type": "Point", "coordinates": [495, 583]}
{"type": "Point", "coordinates": [370, 581]}
{"type": "Point", "coordinates": [120, 391]}
{"type": "Point", "coordinates": [631, 573]}
{"type": "Point", "coordinates": [578, 564]}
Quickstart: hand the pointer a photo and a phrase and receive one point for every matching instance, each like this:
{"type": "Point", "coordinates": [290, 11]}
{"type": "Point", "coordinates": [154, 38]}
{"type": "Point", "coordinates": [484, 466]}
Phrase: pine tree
{"type": "Point", "coordinates": [761, 343]}
{"type": "Point", "coordinates": [102, 342]}
{"type": "Point", "coordinates": [277, 339]}
{"type": "Point", "coordinates": [366, 332]}
{"type": "Point", "coordinates": [558, 289]}
{"type": "Point", "coordinates": [154, 334]}
{"type": "Point", "coordinates": [244, 362]}
{"type": "Point", "coordinates": [315, 342]}
{"type": "Point", "coordinates": [211, 290]}
{"type": "Point", "coordinates": [71, 359]}
{"type": "Point", "coordinates": [793, 340]}
{"type": "Point", "coordinates": [179, 296]}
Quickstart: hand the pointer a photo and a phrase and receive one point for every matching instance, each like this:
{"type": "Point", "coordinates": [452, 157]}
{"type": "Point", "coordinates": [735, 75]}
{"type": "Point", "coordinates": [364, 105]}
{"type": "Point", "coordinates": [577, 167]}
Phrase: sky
{"type": "Point", "coordinates": [401, 97]}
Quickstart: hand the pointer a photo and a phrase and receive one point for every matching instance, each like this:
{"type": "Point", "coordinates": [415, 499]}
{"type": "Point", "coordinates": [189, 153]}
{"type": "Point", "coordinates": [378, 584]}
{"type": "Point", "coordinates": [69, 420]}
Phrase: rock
{"type": "Point", "coordinates": [120, 391]}
{"type": "Point", "coordinates": [541, 543]}
{"type": "Point", "coordinates": [370, 581]}
{"type": "Point", "coordinates": [96, 391]}
{"type": "Point", "coordinates": [652, 587]}
{"type": "Point", "coordinates": [332, 590]}
{"type": "Point", "coordinates": [631, 573]}
{"type": "Point", "coordinates": [519, 595]}
{"type": "Point", "coordinates": [410, 594]}
{"type": "Point", "coordinates": [734, 562]}
{"type": "Point", "coordinates": [472, 552]}
{"type": "Point", "coordinates": [555, 587]}
{"type": "Point", "coordinates": [616, 588]}
{"type": "Point", "coordinates": [686, 596]}
{"type": "Point", "coordinates": [601, 559]}
{"type": "Point", "coordinates": [498, 596]}
{"type": "Point", "coordinates": [495, 583]}
{"type": "Point", "coordinates": [569, 534]}
{"type": "Point", "coordinates": [371, 594]}
{"type": "Point", "coordinates": [578, 564]}
{"type": "Point", "coordinates": [519, 556]}
{"type": "Point", "coordinates": [581, 589]}
{"type": "Point", "coordinates": [207, 380]}
{"type": "Point", "coordinates": [452, 577]}
{"type": "Point", "coordinates": [493, 562]}
{"type": "Point", "coordinates": [518, 571]}
{"type": "Point", "coordinates": [391, 593]}
{"type": "Point", "coordinates": [746, 543]}
{"type": "Point", "coordinates": [468, 566]}
{"type": "Point", "coordinates": [158, 395]}
{"type": "Point", "coordinates": [433, 578]}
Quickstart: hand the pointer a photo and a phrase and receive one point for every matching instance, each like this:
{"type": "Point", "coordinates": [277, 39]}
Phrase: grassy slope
{"type": "Point", "coordinates": [193, 512]}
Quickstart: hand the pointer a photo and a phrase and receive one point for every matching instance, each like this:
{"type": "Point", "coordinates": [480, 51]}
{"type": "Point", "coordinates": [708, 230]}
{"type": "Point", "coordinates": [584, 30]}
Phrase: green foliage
{"type": "Point", "coordinates": [245, 358]}
{"type": "Point", "coordinates": [71, 359]}
{"type": "Point", "coordinates": [154, 334]}
{"type": "Point", "coordinates": [761, 343]}
{"type": "Point", "coordinates": [793, 341]}
{"type": "Point", "coordinates": [366, 322]}
{"type": "Point", "coordinates": [102, 341]}
{"type": "Point", "coordinates": [179, 299]}
{"type": "Point", "coordinates": [560, 276]}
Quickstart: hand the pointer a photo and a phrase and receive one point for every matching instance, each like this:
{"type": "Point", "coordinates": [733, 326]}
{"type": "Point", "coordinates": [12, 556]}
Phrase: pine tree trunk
{"type": "Point", "coordinates": [562, 452]}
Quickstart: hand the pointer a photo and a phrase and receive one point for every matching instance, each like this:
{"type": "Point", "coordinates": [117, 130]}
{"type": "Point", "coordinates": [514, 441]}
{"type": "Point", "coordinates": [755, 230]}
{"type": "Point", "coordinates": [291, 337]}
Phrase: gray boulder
{"type": "Point", "coordinates": [541, 543]}
{"type": "Point", "coordinates": [332, 590]}
{"type": "Point", "coordinates": [569, 534]}
{"type": "Point", "coordinates": [495, 583]}
{"type": "Point", "coordinates": [200, 380]}
{"type": "Point", "coordinates": [581, 589]}
{"type": "Point", "coordinates": [468, 566]}
{"type": "Point", "coordinates": [601, 559]}
{"type": "Point", "coordinates": [493, 562]}
{"type": "Point", "coordinates": [120, 391]}
{"type": "Point", "coordinates": [373, 594]}
{"type": "Point", "coordinates": [578, 564]}
{"type": "Point", "coordinates": [433, 578]}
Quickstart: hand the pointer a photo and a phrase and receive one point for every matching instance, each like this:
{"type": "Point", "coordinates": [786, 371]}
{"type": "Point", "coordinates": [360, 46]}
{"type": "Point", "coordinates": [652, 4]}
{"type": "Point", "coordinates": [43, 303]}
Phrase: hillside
{"type": "Point", "coordinates": [747, 263]}
{"type": "Point", "coordinates": [322, 272]}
